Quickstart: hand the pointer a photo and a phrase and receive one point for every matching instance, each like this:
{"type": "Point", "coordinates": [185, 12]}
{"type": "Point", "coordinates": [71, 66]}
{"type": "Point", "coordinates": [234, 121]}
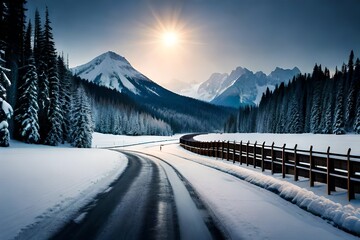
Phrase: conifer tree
{"type": "Point", "coordinates": [14, 42]}
{"type": "Point", "coordinates": [339, 124]}
{"type": "Point", "coordinates": [5, 108]}
{"type": "Point", "coordinates": [64, 97]}
{"type": "Point", "coordinates": [81, 130]}
{"type": "Point", "coordinates": [316, 110]}
{"type": "Point", "coordinates": [26, 112]}
{"type": "Point", "coordinates": [357, 116]}
{"type": "Point", "coordinates": [43, 81]}
{"type": "Point", "coordinates": [54, 133]}
{"type": "Point", "coordinates": [328, 121]}
{"type": "Point", "coordinates": [351, 94]}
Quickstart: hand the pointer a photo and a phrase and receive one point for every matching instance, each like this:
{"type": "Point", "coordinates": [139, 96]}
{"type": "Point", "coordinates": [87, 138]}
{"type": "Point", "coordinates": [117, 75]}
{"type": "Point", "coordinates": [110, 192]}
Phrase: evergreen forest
{"type": "Point", "coordinates": [318, 103]}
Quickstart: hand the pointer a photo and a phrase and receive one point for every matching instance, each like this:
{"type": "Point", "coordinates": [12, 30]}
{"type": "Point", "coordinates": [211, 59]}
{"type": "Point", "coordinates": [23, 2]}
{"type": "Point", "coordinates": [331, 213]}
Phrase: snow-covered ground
{"type": "Point", "coordinates": [47, 185]}
{"type": "Point", "coordinates": [108, 140]}
{"type": "Point", "coordinates": [41, 187]}
{"type": "Point", "coordinates": [320, 142]}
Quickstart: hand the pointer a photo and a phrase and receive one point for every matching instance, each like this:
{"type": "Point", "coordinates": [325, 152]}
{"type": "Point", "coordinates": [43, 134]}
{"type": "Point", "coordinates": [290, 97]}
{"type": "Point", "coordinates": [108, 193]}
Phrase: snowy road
{"type": "Point", "coordinates": [148, 201]}
{"type": "Point", "coordinates": [243, 210]}
{"type": "Point", "coordinates": [167, 195]}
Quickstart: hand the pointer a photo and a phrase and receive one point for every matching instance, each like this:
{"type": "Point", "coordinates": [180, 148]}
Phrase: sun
{"type": "Point", "coordinates": [170, 38]}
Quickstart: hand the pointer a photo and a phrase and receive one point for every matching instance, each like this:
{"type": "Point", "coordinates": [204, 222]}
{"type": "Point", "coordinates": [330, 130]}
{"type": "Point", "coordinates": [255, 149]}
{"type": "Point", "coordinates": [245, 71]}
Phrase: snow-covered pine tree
{"type": "Point", "coordinates": [356, 80]}
{"type": "Point", "coordinates": [6, 110]}
{"type": "Point", "coordinates": [43, 81]}
{"type": "Point", "coordinates": [351, 94]}
{"type": "Point", "coordinates": [65, 97]}
{"type": "Point", "coordinates": [54, 131]}
{"type": "Point", "coordinates": [4, 81]}
{"type": "Point", "coordinates": [339, 123]}
{"type": "Point", "coordinates": [328, 104]}
{"type": "Point", "coordinates": [81, 129]}
{"type": "Point", "coordinates": [295, 124]}
{"type": "Point", "coordinates": [14, 50]}
{"type": "Point", "coordinates": [316, 110]}
{"type": "Point", "coordinates": [328, 121]}
{"type": "Point", "coordinates": [357, 116]}
{"type": "Point", "coordinates": [26, 111]}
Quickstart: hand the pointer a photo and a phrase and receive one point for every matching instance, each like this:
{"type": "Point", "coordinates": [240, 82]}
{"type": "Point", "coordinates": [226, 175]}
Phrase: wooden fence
{"type": "Point", "coordinates": [336, 170]}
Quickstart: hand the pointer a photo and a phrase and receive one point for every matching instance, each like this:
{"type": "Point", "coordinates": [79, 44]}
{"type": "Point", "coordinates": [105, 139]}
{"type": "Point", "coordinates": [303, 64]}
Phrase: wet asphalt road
{"type": "Point", "coordinates": [139, 205]}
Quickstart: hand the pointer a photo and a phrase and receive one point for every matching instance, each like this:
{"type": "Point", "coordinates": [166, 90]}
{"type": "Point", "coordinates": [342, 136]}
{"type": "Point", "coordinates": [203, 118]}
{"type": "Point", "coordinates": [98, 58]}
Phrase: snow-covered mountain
{"type": "Point", "coordinates": [115, 72]}
{"type": "Point", "coordinates": [210, 88]}
{"type": "Point", "coordinates": [242, 86]}
{"type": "Point", "coordinates": [140, 94]}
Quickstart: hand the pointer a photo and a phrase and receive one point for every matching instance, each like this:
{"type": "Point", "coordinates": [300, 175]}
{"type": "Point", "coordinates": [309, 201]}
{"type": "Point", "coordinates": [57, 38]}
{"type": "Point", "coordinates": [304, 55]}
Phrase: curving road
{"type": "Point", "coordinates": [150, 200]}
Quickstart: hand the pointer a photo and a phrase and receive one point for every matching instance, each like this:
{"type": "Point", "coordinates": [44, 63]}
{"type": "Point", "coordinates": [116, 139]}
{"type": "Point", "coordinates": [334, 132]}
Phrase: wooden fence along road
{"type": "Point", "coordinates": [336, 170]}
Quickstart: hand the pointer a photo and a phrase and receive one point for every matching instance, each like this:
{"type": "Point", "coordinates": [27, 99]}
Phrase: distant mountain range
{"type": "Point", "coordinates": [183, 114]}
{"type": "Point", "coordinates": [240, 87]}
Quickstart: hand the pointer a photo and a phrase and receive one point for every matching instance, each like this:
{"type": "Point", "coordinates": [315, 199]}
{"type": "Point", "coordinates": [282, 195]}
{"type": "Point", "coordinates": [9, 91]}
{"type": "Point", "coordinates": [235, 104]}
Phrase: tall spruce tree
{"type": "Point", "coordinates": [5, 108]}
{"type": "Point", "coordinates": [351, 94]}
{"type": "Point", "coordinates": [357, 116]}
{"type": "Point", "coordinates": [316, 109]}
{"type": "Point", "coordinates": [26, 111]}
{"type": "Point", "coordinates": [43, 81]}
{"type": "Point", "coordinates": [356, 78]}
{"type": "Point", "coordinates": [65, 79]}
{"type": "Point", "coordinates": [15, 38]}
{"type": "Point", "coordinates": [54, 133]}
{"type": "Point", "coordinates": [339, 120]}
{"type": "Point", "coordinates": [81, 129]}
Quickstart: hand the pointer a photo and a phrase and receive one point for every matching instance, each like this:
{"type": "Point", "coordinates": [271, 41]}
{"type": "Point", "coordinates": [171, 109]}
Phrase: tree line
{"type": "Point", "coordinates": [117, 113]}
{"type": "Point", "coordinates": [310, 103]}
{"type": "Point", "coordinates": [36, 86]}
{"type": "Point", "coordinates": [42, 102]}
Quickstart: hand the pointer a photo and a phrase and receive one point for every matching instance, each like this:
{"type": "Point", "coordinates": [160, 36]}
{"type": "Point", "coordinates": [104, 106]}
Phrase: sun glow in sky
{"type": "Point", "coordinates": [170, 38]}
{"type": "Point", "coordinates": [177, 43]}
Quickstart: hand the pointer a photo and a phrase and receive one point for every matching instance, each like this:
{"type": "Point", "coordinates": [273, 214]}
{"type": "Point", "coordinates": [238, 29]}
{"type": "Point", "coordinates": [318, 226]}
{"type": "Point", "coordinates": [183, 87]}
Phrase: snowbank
{"type": "Point", "coordinates": [43, 187]}
{"type": "Point", "coordinates": [320, 142]}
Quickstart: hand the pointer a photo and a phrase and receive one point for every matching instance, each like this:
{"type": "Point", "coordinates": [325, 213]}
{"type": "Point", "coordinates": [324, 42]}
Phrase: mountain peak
{"type": "Point", "coordinates": [114, 56]}
{"type": "Point", "coordinates": [113, 71]}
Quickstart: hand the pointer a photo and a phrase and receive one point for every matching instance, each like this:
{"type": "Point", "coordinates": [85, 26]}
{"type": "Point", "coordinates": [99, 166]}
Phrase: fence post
{"type": "Point", "coordinates": [240, 153]}
{"type": "Point", "coordinates": [296, 177]}
{"type": "Point", "coordinates": [283, 161]}
{"type": "Point", "coordinates": [209, 150]}
{"type": "Point", "coordinates": [228, 151]}
{"type": "Point", "coordinates": [351, 194]}
{"type": "Point", "coordinates": [328, 172]}
{"type": "Point", "coordinates": [212, 149]}
{"type": "Point", "coordinates": [234, 151]}
{"type": "Point", "coordinates": [311, 175]}
{"type": "Point", "coordinates": [272, 158]}
{"type": "Point", "coordinates": [254, 157]}
{"type": "Point", "coordinates": [262, 157]}
{"type": "Point", "coordinates": [247, 153]}
{"type": "Point", "coordinates": [222, 149]}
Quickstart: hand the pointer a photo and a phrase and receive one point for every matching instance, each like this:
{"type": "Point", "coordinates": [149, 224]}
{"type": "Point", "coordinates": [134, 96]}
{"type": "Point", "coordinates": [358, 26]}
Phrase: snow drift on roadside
{"type": "Point", "coordinates": [44, 186]}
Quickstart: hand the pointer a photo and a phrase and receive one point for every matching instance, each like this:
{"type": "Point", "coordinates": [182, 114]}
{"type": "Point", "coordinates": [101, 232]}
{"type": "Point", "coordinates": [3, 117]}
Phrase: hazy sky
{"type": "Point", "coordinates": [213, 35]}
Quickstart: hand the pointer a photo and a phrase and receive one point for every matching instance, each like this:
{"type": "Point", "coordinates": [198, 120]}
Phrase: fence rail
{"type": "Point", "coordinates": [334, 169]}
